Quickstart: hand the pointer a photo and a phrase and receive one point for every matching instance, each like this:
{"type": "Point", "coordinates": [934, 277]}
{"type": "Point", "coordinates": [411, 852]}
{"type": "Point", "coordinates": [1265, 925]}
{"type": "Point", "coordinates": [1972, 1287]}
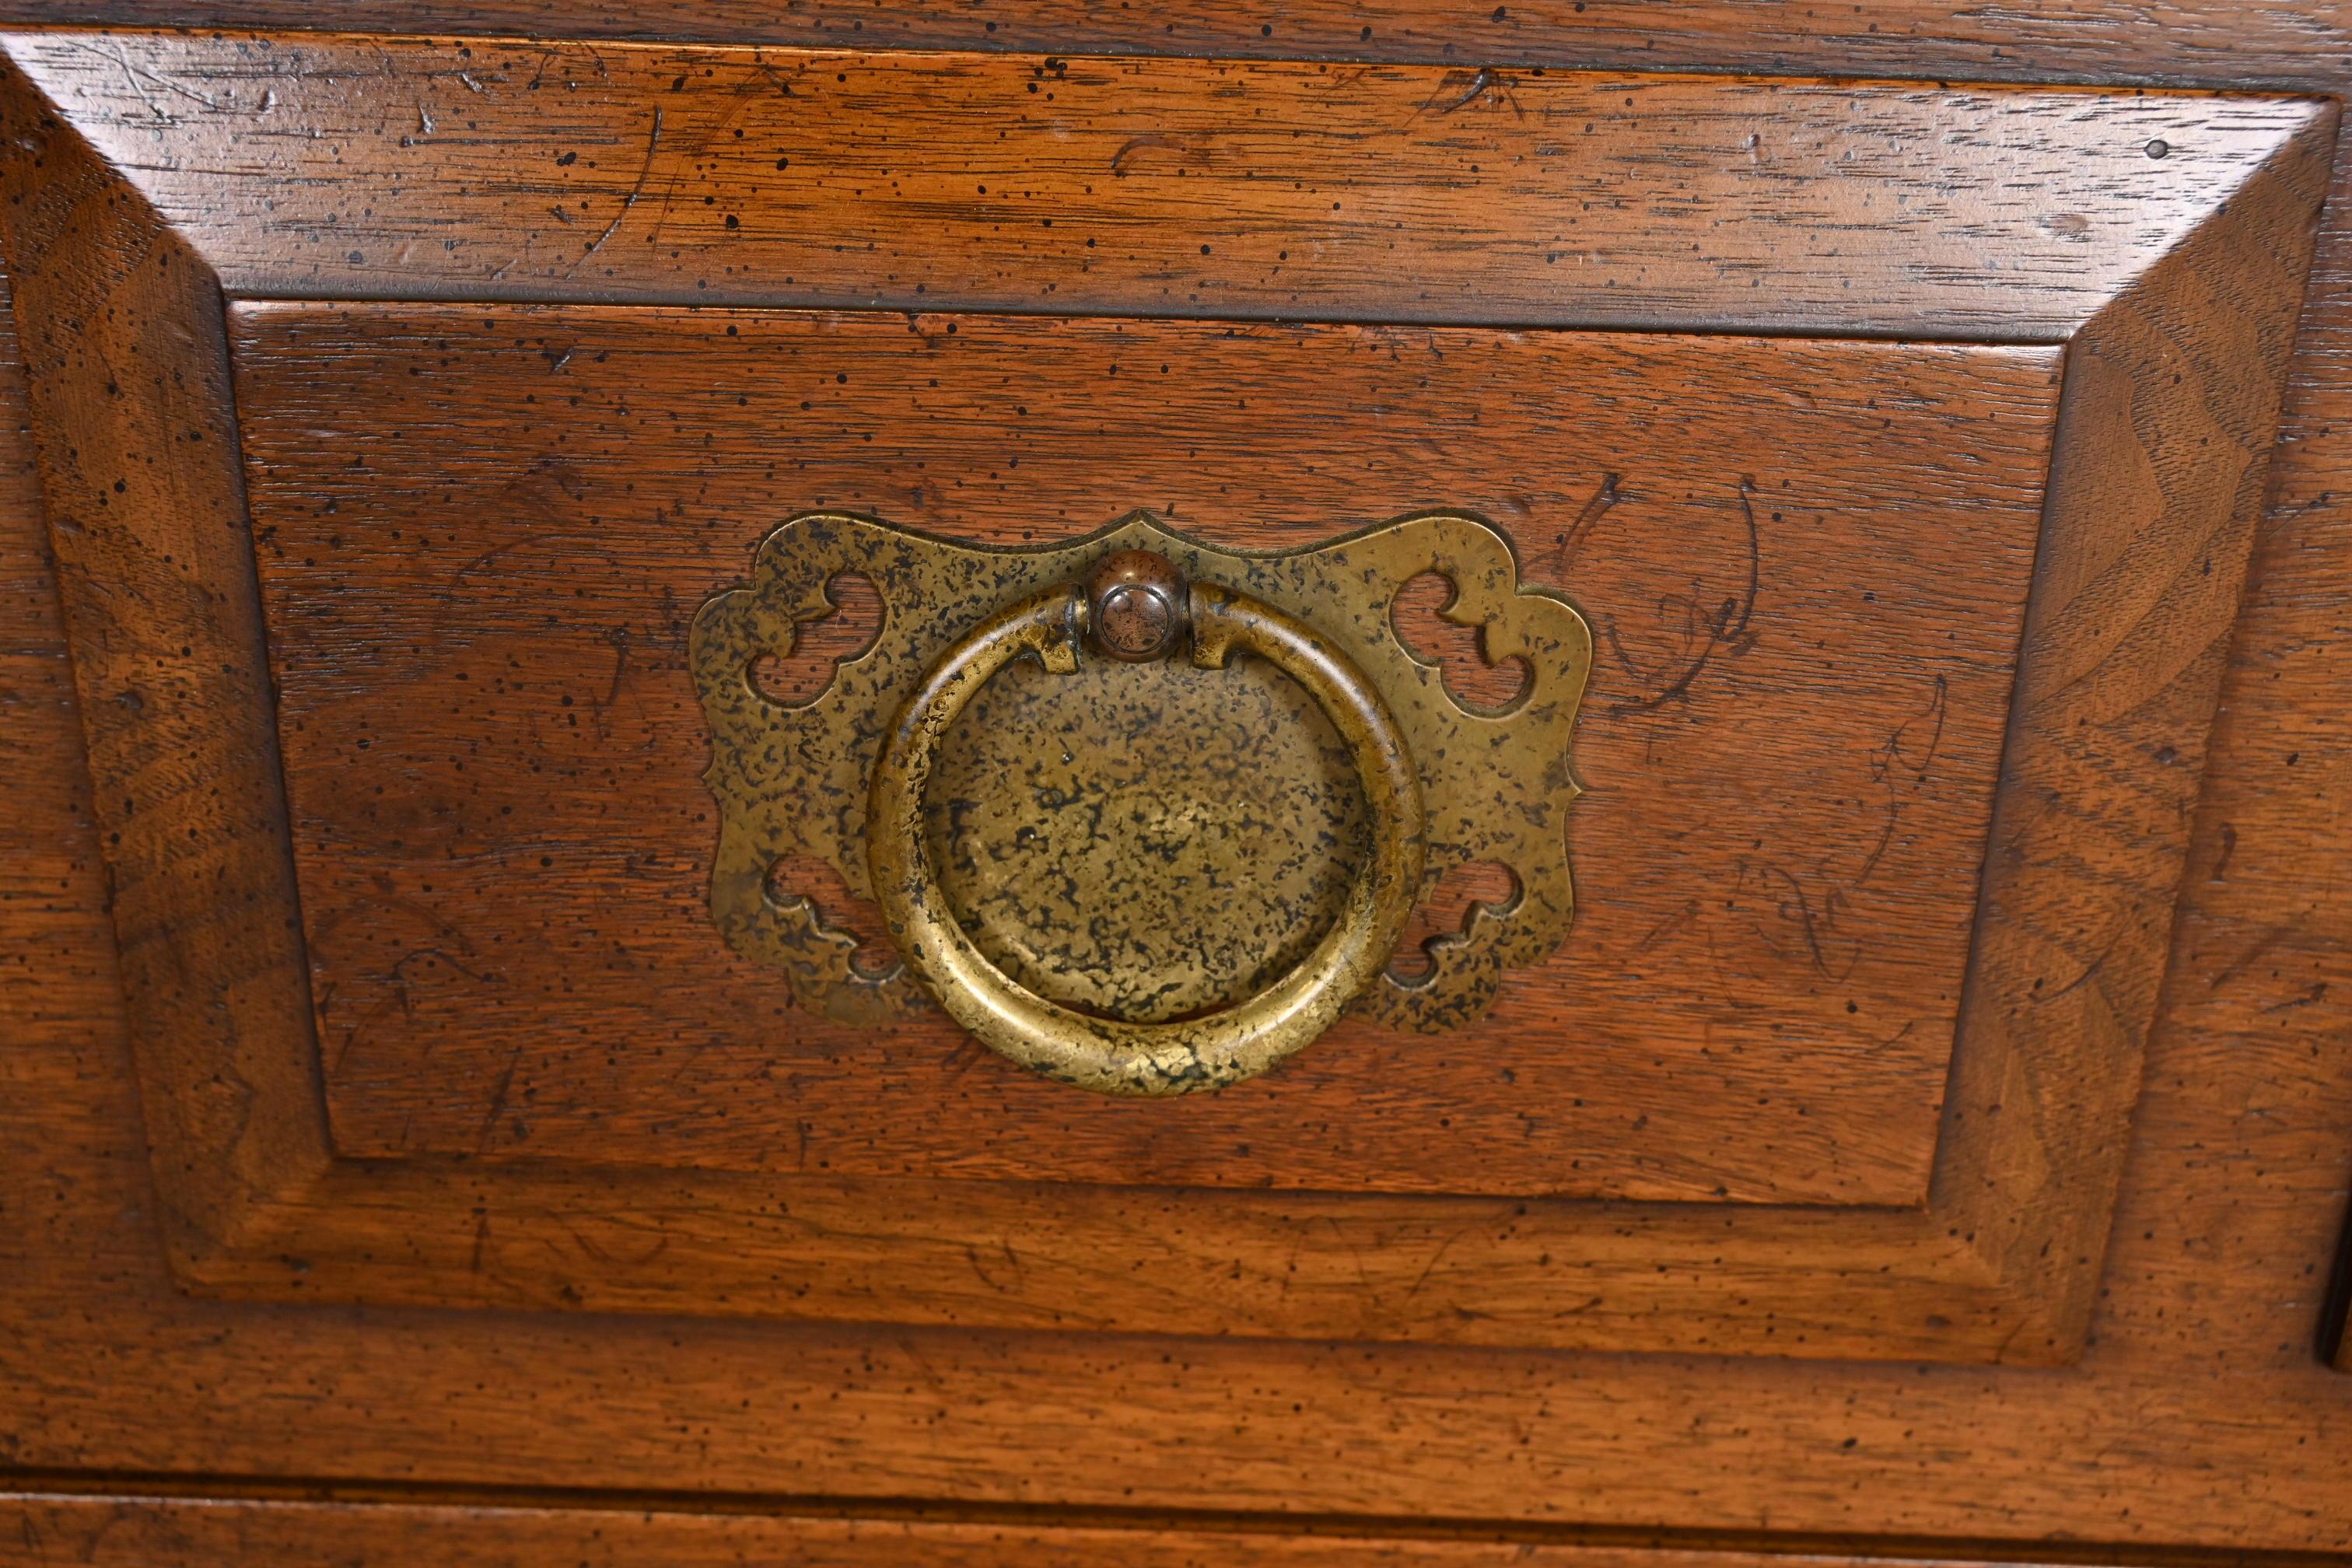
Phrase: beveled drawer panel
{"type": "Point", "coordinates": [385, 479]}
{"type": "Point", "coordinates": [370, 1189]}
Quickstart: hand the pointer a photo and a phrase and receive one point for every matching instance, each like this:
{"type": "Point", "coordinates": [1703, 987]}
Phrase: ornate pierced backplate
{"type": "Point", "coordinates": [791, 779]}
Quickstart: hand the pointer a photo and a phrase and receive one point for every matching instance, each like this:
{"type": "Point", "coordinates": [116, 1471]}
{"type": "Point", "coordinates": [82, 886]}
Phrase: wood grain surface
{"type": "Point", "coordinates": [2173, 385]}
{"type": "Point", "coordinates": [2197, 1414]}
{"type": "Point", "coordinates": [198, 880]}
{"type": "Point", "coordinates": [2195, 43]}
{"type": "Point", "coordinates": [1152, 186]}
{"type": "Point", "coordinates": [1807, 626]}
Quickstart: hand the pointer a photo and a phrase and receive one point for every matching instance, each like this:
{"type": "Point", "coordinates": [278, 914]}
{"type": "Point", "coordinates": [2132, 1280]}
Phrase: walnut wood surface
{"type": "Point", "coordinates": [493, 746]}
{"type": "Point", "coordinates": [1151, 186]}
{"type": "Point", "coordinates": [2199, 1413]}
{"type": "Point", "coordinates": [2198, 43]}
{"type": "Point", "coordinates": [1999, 1264]}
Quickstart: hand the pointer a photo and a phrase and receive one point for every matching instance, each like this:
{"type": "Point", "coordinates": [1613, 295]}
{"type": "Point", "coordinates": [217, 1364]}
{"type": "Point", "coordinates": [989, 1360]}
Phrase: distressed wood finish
{"type": "Point", "coordinates": [2196, 43]}
{"type": "Point", "coordinates": [479, 632]}
{"type": "Point", "coordinates": [1151, 186]}
{"type": "Point", "coordinates": [2199, 1413]}
{"type": "Point", "coordinates": [2153, 499]}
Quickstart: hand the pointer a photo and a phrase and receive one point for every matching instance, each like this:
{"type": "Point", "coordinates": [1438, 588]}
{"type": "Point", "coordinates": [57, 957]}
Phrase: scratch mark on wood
{"type": "Point", "coordinates": [1897, 1039]}
{"type": "Point", "coordinates": [499, 1100]}
{"type": "Point", "coordinates": [1479, 83]}
{"type": "Point", "coordinates": [653, 142]}
{"type": "Point", "coordinates": [1882, 770]}
{"type": "Point", "coordinates": [1811, 925]}
{"type": "Point", "coordinates": [1144, 144]}
{"type": "Point", "coordinates": [131, 75]}
{"type": "Point", "coordinates": [2315, 991]}
{"type": "Point", "coordinates": [2236, 966]}
{"type": "Point", "coordinates": [1729, 625]}
{"type": "Point", "coordinates": [1671, 923]}
{"type": "Point", "coordinates": [1434, 1259]}
{"type": "Point", "coordinates": [2220, 872]}
{"type": "Point", "coordinates": [138, 76]}
{"type": "Point", "coordinates": [2089, 970]}
{"type": "Point", "coordinates": [1587, 516]}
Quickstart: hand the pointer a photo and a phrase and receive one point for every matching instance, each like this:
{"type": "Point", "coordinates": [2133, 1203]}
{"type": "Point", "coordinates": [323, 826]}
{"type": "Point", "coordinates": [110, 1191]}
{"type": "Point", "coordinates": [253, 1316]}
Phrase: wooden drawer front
{"type": "Point", "coordinates": [1900, 443]}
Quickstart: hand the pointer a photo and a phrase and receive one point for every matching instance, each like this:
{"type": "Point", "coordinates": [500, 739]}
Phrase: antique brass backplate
{"type": "Point", "coordinates": [1049, 949]}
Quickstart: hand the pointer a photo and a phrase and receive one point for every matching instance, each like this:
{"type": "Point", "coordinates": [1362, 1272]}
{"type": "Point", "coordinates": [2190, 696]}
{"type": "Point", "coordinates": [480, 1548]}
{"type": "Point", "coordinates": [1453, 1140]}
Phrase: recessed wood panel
{"type": "Point", "coordinates": [482, 533]}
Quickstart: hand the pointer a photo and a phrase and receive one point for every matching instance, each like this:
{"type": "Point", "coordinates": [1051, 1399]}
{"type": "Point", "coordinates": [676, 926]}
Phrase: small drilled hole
{"type": "Point", "coordinates": [822, 644]}
{"type": "Point", "coordinates": [1476, 683]}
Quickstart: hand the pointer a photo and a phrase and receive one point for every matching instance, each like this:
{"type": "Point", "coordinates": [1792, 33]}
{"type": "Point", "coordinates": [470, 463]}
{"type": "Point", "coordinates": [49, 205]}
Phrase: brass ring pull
{"type": "Point", "coordinates": [1134, 607]}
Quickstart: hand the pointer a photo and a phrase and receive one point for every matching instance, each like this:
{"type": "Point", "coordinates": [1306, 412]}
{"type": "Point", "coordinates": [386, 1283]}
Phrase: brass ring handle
{"type": "Point", "coordinates": [1135, 607]}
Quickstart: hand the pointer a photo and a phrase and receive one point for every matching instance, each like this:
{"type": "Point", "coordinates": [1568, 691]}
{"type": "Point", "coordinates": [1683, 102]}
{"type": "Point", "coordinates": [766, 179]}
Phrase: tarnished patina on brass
{"type": "Point", "coordinates": [791, 782]}
{"type": "Point", "coordinates": [1117, 1056]}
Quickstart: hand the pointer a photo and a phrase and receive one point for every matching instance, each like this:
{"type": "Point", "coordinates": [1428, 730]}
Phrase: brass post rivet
{"type": "Point", "coordinates": [1134, 604]}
